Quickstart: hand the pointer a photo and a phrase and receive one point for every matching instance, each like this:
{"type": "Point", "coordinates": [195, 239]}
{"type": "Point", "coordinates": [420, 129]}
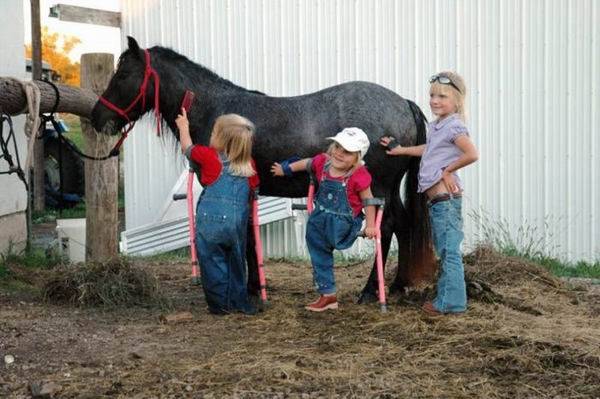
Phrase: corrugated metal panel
{"type": "Point", "coordinates": [530, 65]}
{"type": "Point", "coordinates": [13, 197]}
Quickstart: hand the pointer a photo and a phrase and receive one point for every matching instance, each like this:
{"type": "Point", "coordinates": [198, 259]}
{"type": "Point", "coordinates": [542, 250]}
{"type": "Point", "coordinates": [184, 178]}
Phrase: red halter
{"type": "Point", "coordinates": [148, 72]}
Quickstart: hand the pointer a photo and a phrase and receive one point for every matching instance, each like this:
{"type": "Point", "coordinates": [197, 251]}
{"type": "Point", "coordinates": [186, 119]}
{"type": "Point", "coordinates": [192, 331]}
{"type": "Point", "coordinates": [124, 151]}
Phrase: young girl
{"type": "Point", "coordinates": [448, 149]}
{"type": "Point", "coordinates": [337, 216]}
{"type": "Point", "coordinates": [229, 178]}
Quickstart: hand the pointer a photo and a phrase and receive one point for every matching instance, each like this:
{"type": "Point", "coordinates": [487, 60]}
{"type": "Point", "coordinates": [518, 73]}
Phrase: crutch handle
{"type": "Point", "coordinates": [177, 197]}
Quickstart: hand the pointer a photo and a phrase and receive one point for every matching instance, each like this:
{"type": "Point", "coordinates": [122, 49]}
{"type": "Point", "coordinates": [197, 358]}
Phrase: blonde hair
{"type": "Point", "coordinates": [357, 162]}
{"type": "Point", "coordinates": [233, 134]}
{"type": "Point", "coordinates": [458, 95]}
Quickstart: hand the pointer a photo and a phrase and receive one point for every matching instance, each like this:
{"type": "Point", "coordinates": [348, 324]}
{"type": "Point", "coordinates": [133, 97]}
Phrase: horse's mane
{"type": "Point", "coordinates": [194, 70]}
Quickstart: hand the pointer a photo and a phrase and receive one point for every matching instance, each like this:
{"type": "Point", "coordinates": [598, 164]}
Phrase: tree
{"type": "Point", "coordinates": [58, 58]}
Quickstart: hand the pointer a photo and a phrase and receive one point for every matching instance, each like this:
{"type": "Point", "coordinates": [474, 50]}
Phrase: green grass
{"type": "Point", "coordinates": [27, 260]}
{"type": "Point", "coordinates": [558, 267]}
{"type": "Point", "coordinates": [177, 255]}
{"type": "Point", "coordinates": [74, 134]}
{"type": "Point", "coordinates": [528, 242]}
{"type": "Point", "coordinates": [35, 258]}
{"type": "Point", "coordinates": [50, 215]}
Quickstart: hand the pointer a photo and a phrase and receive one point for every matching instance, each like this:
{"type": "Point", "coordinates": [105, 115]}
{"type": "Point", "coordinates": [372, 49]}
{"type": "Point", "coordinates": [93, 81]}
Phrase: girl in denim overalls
{"type": "Point", "coordinates": [229, 179]}
{"type": "Point", "coordinates": [337, 217]}
{"type": "Point", "coordinates": [447, 150]}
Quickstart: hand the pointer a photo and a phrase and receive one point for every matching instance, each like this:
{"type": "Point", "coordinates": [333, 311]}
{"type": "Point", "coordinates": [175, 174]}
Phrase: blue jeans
{"type": "Point", "coordinates": [447, 231]}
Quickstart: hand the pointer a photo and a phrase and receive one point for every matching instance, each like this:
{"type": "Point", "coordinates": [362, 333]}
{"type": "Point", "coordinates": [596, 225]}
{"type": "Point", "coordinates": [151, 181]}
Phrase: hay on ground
{"type": "Point", "coordinates": [113, 283]}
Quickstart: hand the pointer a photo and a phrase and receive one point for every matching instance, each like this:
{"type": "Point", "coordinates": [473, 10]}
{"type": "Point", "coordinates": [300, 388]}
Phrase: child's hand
{"type": "Point", "coordinates": [385, 140]}
{"type": "Point", "coordinates": [182, 121]}
{"type": "Point", "coordinates": [370, 232]}
{"type": "Point", "coordinates": [276, 169]}
{"type": "Point", "coordinates": [393, 147]}
{"type": "Point", "coordinates": [449, 182]}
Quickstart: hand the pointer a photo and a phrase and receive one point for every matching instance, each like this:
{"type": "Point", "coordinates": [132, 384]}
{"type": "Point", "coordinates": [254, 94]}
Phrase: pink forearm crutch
{"type": "Point", "coordinates": [311, 194]}
{"type": "Point", "coordinates": [258, 249]}
{"type": "Point", "coordinates": [191, 222]}
{"type": "Point", "coordinates": [379, 256]}
{"type": "Point", "coordinates": [379, 203]}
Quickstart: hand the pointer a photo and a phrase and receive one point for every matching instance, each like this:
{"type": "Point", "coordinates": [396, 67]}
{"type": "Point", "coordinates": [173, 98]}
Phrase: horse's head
{"type": "Point", "coordinates": [130, 92]}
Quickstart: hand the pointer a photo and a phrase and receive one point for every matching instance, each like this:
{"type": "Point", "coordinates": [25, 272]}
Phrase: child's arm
{"type": "Point", "coordinates": [469, 155]}
{"type": "Point", "coordinates": [370, 230]}
{"type": "Point", "coordinates": [184, 130]}
{"type": "Point", "coordinates": [278, 170]}
{"type": "Point", "coordinates": [394, 148]}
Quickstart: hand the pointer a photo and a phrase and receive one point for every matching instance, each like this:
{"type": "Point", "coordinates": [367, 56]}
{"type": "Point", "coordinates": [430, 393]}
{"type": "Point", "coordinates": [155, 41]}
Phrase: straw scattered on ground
{"type": "Point", "coordinates": [526, 334]}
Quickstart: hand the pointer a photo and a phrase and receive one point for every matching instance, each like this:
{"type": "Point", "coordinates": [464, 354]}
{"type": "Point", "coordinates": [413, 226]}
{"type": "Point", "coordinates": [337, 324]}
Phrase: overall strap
{"type": "Point", "coordinates": [345, 177]}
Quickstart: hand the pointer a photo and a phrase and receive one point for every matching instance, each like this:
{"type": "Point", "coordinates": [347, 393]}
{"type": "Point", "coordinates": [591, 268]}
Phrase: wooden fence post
{"type": "Point", "coordinates": [39, 195]}
{"type": "Point", "coordinates": [101, 177]}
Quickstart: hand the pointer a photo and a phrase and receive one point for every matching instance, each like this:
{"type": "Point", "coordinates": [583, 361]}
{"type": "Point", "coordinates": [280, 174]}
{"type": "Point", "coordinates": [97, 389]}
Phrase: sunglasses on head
{"type": "Point", "coordinates": [445, 80]}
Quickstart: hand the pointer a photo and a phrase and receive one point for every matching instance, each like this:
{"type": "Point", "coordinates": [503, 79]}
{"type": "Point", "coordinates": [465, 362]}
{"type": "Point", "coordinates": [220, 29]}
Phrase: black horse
{"type": "Point", "coordinates": [286, 126]}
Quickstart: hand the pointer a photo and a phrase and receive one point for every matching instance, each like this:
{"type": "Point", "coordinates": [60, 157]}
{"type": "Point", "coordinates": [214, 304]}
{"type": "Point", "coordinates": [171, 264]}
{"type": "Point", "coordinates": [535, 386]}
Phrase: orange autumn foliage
{"type": "Point", "coordinates": [58, 58]}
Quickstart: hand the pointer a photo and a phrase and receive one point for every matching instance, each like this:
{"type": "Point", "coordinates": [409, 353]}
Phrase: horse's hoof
{"type": "Point", "coordinates": [367, 297]}
{"type": "Point", "coordinates": [397, 288]}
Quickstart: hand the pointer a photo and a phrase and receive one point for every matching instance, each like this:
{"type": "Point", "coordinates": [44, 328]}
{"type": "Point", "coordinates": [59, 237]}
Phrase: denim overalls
{"type": "Point", "coordinates": [221, 227]}
{"type": "Point", "coordinates": [330, 226]}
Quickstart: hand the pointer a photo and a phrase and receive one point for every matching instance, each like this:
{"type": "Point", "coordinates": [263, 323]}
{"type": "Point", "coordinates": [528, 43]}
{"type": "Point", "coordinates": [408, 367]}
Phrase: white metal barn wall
{"type": "Point", "coordinates": [13, 197]}
{"type": "Point", "coordinates": [531, 67]}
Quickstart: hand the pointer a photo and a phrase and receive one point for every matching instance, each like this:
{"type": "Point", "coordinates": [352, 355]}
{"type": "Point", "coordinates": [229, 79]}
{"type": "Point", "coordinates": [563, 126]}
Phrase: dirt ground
{"type": "Point", "coordinates": [530, 336]}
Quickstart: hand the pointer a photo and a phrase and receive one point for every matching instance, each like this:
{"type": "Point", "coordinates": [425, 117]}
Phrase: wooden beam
{"type": "Point", "coordinates": [101, 178]}
{"type": "Point", "coordinates": [73, 100]}
{"type": "Point", "coordinates": [84, 15]}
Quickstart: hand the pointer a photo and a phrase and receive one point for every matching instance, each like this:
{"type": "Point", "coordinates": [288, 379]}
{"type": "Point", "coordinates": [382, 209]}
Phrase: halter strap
{"type": "Point", "coordinates": [149, 72]}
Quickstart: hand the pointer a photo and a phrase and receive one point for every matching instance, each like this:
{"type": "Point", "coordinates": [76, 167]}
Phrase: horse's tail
{"type": "Point", "coordinates": [422, 265]}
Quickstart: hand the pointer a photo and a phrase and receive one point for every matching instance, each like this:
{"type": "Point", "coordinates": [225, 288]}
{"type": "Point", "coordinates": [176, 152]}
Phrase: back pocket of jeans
{"type": "Point", "coordinates": [214, 228]}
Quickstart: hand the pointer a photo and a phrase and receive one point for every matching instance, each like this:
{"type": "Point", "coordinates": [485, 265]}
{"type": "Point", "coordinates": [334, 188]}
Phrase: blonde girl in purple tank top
{"type": "Point", "coordinates": [448, 148]}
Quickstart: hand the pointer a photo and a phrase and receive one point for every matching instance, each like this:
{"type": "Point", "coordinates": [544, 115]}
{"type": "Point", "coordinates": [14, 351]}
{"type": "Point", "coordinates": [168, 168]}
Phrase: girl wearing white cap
{"type": "Point", "coordinates": [337, 217]}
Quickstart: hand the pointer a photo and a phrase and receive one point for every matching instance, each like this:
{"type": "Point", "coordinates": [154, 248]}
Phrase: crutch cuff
{"type": "Point", "coordinates": [373, 202]}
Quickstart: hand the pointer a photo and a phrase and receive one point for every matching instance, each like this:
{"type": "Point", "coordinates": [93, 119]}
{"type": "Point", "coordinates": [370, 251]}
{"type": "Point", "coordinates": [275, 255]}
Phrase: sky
{"type": "Point", "coordinates": [94, 38]}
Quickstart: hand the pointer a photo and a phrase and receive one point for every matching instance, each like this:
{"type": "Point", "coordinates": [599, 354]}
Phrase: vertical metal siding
{"type": "Point", "coordinates": [530, 67]}
{"type": "Point", "coordinates": [13, 197]}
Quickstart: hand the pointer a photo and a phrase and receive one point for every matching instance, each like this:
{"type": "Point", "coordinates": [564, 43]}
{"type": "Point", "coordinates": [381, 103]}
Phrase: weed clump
{"type": "Point", "coordinates": [116, 283]}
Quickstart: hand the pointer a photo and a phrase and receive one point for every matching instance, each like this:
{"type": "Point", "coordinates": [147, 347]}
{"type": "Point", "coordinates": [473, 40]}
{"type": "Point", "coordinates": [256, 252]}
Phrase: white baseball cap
{"type": "Point", "coordinates": [352, 139]}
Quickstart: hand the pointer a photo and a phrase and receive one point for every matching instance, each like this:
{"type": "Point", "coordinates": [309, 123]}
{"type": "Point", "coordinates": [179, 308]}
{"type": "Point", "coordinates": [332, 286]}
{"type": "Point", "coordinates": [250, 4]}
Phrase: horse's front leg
{"type": "Point", "coordinates": [402, 231]}
{"type": "Point", "coordinates": [369, 292]}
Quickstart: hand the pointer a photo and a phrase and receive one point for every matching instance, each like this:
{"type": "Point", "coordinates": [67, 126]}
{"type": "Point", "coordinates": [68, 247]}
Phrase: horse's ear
{"type": "Point", "coordinates": [132, 44]}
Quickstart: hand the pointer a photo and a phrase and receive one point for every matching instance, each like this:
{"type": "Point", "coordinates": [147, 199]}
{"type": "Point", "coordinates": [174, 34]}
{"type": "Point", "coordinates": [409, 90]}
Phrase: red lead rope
{"type": "Point", "coordinates": [148, 73]}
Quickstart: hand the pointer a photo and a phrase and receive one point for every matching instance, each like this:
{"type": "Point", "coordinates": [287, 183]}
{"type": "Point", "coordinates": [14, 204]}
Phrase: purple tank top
{"type": "Point", "coordinates": [440, 150]}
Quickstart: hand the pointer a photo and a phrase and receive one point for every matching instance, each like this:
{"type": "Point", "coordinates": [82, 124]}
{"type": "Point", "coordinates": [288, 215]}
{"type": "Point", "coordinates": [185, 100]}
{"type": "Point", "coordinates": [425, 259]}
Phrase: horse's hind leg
{"type": "Point", "coordinates": [369, 292]}
{"type": "Point", "coordinates": [402, 232]}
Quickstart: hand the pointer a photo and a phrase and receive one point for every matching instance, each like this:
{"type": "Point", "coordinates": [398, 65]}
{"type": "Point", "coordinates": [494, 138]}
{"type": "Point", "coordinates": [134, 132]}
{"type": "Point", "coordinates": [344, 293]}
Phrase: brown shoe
{"type": "Point", "coordinates": [323, 303]}
{"type": "Point", "coordinates": [430, 310]}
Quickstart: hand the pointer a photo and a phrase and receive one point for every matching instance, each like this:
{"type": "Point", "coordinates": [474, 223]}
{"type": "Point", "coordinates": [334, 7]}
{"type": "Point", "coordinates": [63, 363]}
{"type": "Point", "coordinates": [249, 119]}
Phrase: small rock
{"type": "Point", "coordinates": [9, 359]}
{"type": "Point", "coordinates": [189, 388]}
{"type": "Point", "coordinates": [44, 390]}
{"type": "Point", "coordinates": [176, 318]}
